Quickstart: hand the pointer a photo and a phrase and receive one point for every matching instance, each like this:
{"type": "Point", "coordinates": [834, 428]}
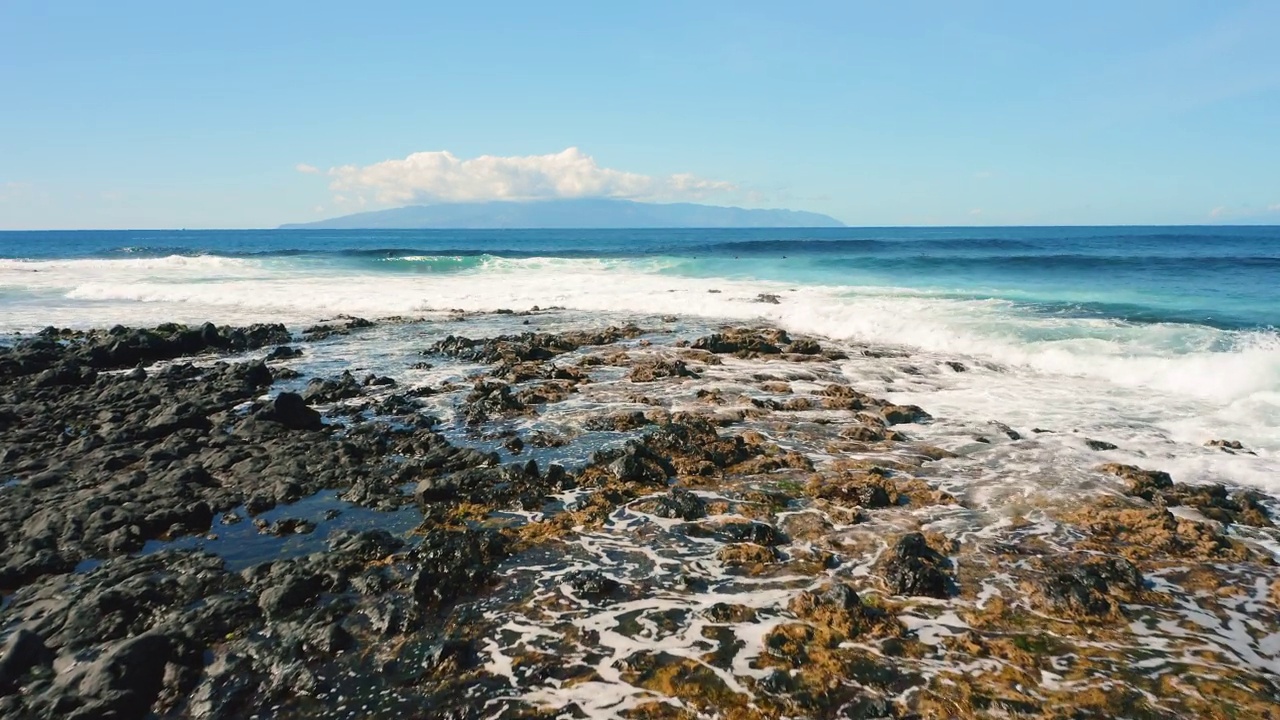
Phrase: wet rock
{"type": "Point", "coordinates": [1100, 445]}
{"type": "Point", "coordinates": [512, 349]}
{"type": "Point", "coordinates": [331, 391]}
{"type": "Point", "coordinates": [283, 352]}
{"type": "Point", "coordinates": [341, 325]}
{"type": "Point", "coordinates": [877, 488]}
{"type": "Point", "coordinates": [677, 504]}
{"type": "Point", "coordinates": [291, 410]}
{"type": "Point", "coordinates": [768, 298]}
{"type": "Point", "coordinates": [759, 533]}
{"type": "Point", "coordinates": [805, 526]}
{"type": "Point", "coordinates": [641, 465]}
{"type": "Point", "coordinates": [843, 397]}
{"type": "Point", "coordinates": [869, 490]}
{"type": "Point", "coordinates": [547, 439]}
{"type": "Point", "coordinates": [1145, 532]}
{"type": "Point", "coordinates": [746, 554]}
{"type": "Point", "coordinates": [653, 369]}
{"type": "Point", "coordinates": [956, 366]}
{"type": "Point", "coordinates": [1229, 446]}
{"type": "Point", "coordinates": [728, 613]}
{"type": "Point", "coordinates": [436, 489]}
{"type": "Point", "coordinates": [1214, 501]}
{"type": "Point", "coordinates": [451, 655]}
{"type": "Point", "coordinates": [1142, 483]}
{"type": "Point", "coordinates": [451, 563]}
{"type": "Point", "coordinates": [871, 434]}
{"type": "Point", "coordinates": [292, 591]}
{"type": "Point", "coordinates": [513, 445]}
{"type": "Point", "coordinates": [491, 399]}
{"type": "Point", "coordinates": [365, 545]}
{"type": "Point", "coordinates": [545, 393]}
{"type": "Point", "coordinates": [803, 346]}
{"type": "Point", "coordinates": [1091, 586]}
{"type": "Point", "coordinates": [22, 652]}
{"type": "Point", "coordinates": [744, 341]}
{"type": "Point", "coordinates": [591, 584]}
{"type": "Point", "coordinates": [291, 526]}
{"type": "Point", "coordinates": [617, 422]}
{"type": "Point", "coordinates": [836, 608]}
{"type": "Point", "coordinates": [72, 362]}
{"type": "Point", "coordinates": [1008, 431]}
{"type": "Point", "coordinates": [124, 681]}
{"type": "Point", "coordinates": [914, 568]}
{"type": "Point", "coordinates": [900, 414]}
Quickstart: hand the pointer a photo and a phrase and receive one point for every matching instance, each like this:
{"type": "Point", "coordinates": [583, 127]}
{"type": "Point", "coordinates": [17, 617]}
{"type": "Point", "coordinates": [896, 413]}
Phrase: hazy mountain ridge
{"type": "Point", "coordinates": [589, 213]}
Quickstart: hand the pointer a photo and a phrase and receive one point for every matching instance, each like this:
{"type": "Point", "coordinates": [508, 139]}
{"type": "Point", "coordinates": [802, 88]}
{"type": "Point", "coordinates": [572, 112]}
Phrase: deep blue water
{"type": "Point", "coordinates": [1225, 277]}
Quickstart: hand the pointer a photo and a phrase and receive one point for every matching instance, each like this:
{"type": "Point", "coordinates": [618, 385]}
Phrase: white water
{"type": "Point", "coordinates": [1159, 391]}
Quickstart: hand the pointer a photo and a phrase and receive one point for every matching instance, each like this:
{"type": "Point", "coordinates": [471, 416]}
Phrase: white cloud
{"type": "Point", "coordinates": [305, 168]}
{"type": "Point", "coordinates": [1273, 207]}
{"type": "Point", "coordinates": [442, 177]}
{"type": "Point", "coordinates": [14, 191]}
{"type": "Point", "coordinates": [976, 211]}
{"type": "Point", "coordinates": [1218, 211]}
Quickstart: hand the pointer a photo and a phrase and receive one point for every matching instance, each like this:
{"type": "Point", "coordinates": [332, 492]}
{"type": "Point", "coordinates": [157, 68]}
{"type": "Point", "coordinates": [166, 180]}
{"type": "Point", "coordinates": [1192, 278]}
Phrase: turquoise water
{"type": "Point", "coordinates": [1215, 276]}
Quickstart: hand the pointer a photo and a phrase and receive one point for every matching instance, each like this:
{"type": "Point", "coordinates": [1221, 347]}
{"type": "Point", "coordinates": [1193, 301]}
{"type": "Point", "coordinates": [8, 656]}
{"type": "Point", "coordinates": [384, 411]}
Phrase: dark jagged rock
{"type": "Point", "coordinates": [490, 400]}
{"type": "Point", "coordinates": [736, 531]}
{"type": "Point", "coordinates": [914, 568]}
{"type": "Point", "coordinates": [677, 504]}
{"type": "Point", "coordinates": [283, 352]}
{"type": "Point", "coordinates": [803, 346]}
{"type": "Point", "coordinates": [1092, 586]}
{"type": "Point", "coordinates": [591, 583]}
{"type": "Point", "coordinates": [1142, 483]}
{"type": "Point", "coordinates": [900, 414]}
{"type": "Point", "coordinates": [22, 652]}
{"type": "Point", "coordinates": [341, 325]}
{"type": "Point", "coordinates": [658, 368]}
{"type": "Point", "coordinates": [1214, 501]}
{"type": "Point", "coordinates": [73, 356]}
{"type": "Point", "coordinates": [744, 341]}
{"type": "Point", "coordinates": [498, 486]}
{"type": "Point", "coordinates": [331, 391]}
{"type": "Point", "coordinates": [365, 545]}
{"type": "Point", "coordinates": [290, 410]}
{"type": "Point", "coordinates": [453, 563]}
{"type": "Point", "coordinates": [1008, 431]}
{"type": "Point", "coordinates": [125, 680]}
{"type": "Point", "coordinates": [636, 462]}
{"type": "Point", "coordinates": [514, 349]}
{"type": "Point", "coordinates": [617, 422]}
{"type": "Point", "coordinates": [1100, 445]}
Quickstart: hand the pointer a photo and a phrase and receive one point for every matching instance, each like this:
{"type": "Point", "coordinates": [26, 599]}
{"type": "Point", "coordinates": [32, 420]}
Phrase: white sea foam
{"type": "Point", "coordinates": [1158, 390]}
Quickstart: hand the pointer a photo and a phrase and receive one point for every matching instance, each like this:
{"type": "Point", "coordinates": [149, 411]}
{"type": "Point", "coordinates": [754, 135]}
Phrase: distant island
{"type": "Point", "coordinates": [584, 213]}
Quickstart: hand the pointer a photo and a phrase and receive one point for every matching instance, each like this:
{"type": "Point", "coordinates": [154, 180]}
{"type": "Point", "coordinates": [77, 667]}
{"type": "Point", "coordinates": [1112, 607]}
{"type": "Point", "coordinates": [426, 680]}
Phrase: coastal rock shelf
{"type": "Point", "coordinates": [514, 516]}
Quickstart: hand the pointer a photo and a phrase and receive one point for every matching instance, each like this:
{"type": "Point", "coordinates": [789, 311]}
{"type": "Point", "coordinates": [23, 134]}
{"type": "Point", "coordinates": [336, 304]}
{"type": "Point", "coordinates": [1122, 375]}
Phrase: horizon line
{"type": "Point", "coordinates": [282, 228]}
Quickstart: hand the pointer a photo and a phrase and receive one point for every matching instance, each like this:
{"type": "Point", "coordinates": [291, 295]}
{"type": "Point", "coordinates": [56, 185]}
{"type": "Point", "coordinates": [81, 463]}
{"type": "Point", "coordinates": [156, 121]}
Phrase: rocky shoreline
{"type": "Point", "coordinates": [740, 534]}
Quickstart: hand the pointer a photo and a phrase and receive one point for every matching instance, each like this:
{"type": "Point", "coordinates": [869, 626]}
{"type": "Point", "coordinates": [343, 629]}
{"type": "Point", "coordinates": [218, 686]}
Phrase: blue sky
{"type": "Point", "coordinates": [239, 114]}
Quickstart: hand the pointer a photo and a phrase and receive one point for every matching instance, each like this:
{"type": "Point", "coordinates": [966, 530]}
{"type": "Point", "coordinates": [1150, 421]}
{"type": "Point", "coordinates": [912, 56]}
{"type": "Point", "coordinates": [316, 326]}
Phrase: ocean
{"type": "Point", "coordinates": [1163, 336]}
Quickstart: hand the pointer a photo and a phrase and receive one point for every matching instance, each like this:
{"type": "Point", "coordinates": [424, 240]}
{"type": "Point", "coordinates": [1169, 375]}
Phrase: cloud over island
{"type": "Point", "coordinates": [440, 176]}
